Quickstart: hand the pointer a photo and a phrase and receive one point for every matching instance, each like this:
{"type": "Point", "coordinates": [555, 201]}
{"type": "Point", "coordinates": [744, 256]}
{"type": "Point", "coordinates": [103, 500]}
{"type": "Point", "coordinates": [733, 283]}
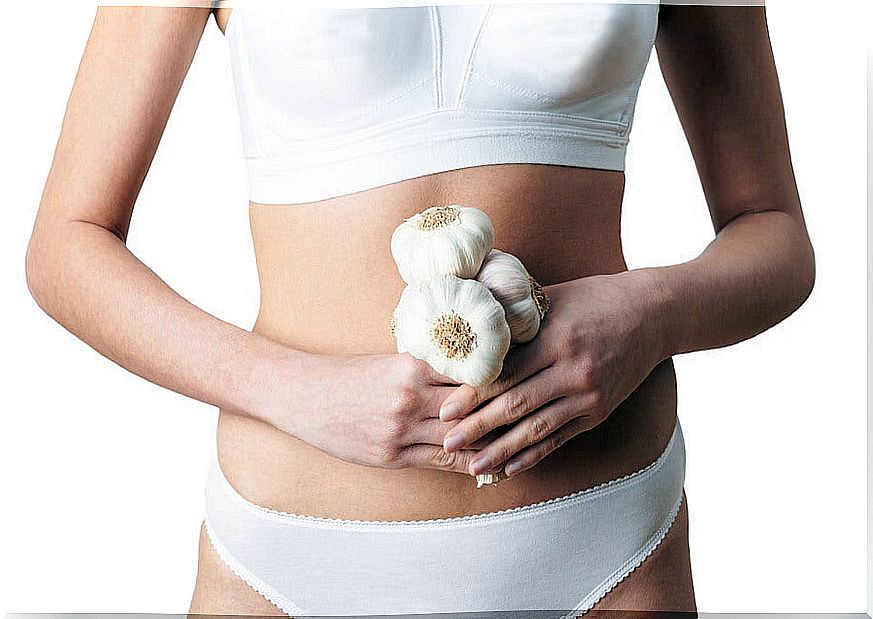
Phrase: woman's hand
{"type": "Point", "coordinates": [599, 341]}
{"type": "Point", "coordinates": [375, 410]}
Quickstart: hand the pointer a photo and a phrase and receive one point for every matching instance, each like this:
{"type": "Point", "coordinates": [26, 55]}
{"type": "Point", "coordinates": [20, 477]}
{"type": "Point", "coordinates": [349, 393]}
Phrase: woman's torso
{"type": "Point", "coordinates": [329, 284]}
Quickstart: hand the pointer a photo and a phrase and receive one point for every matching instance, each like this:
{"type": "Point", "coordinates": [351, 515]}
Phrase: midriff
{"type": "Point", "coordinates": [329, 284]}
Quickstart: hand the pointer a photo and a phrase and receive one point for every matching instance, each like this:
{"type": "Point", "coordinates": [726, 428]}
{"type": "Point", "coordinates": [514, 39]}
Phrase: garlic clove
{"type": "Point", "coordinates": [456, 325]}
{"type": "Point", "coordinates": [523, 299]}
{"type": "Point", "coordinates": [487, 479]}
{"type": "Point", "coordinates": [442, 240]}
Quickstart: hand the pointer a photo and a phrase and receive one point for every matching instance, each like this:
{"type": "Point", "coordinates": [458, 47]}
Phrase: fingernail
{"type": "Point", "coordinates": [480, 464]}
{"type": "Point", "coordinates": [453, 441]}
{"type": "Point", "coordinates": [513, 467]}
{"type": "Point", "coordinates": [449, 411]}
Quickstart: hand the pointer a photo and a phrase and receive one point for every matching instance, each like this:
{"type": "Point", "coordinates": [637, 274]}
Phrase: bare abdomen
{"type": "Point", "coordinates": [329, 284]}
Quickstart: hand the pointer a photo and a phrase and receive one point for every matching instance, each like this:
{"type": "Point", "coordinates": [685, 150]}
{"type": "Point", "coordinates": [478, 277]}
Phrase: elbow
{"type": "Point", "coordinates": [798, 263]}
{"type": "Point", "coordinates": [41, 271]}
{"type": "Point", "coordinates": [810, 281]}
{"type": "Point", "coordinates": [34, 271]}
{"type": "Point", "coordinates": [805, 274]}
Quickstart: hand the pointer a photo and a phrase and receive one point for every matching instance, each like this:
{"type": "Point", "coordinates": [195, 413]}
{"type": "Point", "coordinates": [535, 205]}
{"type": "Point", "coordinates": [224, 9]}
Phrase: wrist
{"type": "Point", "coordinates": [658, 306]}
{"type": "Point", "coordinates": [262, 374]}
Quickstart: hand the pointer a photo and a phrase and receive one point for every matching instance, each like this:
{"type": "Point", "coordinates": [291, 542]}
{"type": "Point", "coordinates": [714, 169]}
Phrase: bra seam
{"type": "Point", "coordinates": [376, 107]}
{"type": "Point", "coordinates": [592, 126]}
{"type": "Point", "coordinates": [498, 83]}
{"type": "Point", "coordinates": [471, 56]}
{"type": "Point", "coordinates": [282, 164]}
{"type": "Point", "coordinates": [436, 36]}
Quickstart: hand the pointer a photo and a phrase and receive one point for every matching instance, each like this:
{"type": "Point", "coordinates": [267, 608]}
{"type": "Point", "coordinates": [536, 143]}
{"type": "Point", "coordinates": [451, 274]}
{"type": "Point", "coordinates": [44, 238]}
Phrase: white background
{"type": "Point", "coordinates": [102, 472]}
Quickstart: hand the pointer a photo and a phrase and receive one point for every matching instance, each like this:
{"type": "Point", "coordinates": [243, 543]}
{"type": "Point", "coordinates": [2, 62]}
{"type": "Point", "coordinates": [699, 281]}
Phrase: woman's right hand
{"type": "Point", "coordinates": [378, 410]}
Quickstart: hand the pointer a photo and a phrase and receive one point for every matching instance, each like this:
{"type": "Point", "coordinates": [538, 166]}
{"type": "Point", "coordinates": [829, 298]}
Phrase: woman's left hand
{"type": "Point", "coordinates": [598, 342]}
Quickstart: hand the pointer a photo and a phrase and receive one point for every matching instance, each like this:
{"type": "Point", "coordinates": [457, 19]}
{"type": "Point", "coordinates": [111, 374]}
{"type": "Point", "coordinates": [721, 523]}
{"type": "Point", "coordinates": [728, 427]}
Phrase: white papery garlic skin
{"type": "Point", "coordinates": [442, 240]}
{"type": "Point", "coordinates": [521, 297]}
{"type": "Point", "coordinates": [456, 325]}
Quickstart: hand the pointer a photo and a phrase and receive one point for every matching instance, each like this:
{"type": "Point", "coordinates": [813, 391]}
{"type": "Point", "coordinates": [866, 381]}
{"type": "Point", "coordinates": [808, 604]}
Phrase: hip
{"type": "Point", "coordinates": [280, 472]}
{"type": "Point", "coordinates": [577, 546]}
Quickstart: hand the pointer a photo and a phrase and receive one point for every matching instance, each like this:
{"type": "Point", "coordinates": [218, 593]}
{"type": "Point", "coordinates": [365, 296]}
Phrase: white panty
{"type": "Point", "coordinates": [561, 555]}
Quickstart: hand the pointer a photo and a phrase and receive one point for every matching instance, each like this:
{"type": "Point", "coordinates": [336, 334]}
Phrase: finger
{"type": "Point", "coordinates": [508, 407]}
{"type": "Point", "coordinates": [520, 363]}
{"type": "Point", "coordinates": [547, 427]}
{"type": "Point", "coordinates": [481, 443]}
{"type": "Point", "coordinates": [529, 456]}
{"type": "Point", "coordinates": [425, 403]}
{"type": "Point", "coordinates": [433, 457]}
{"type": "Point", "coordinates": [432, 431]}
{"type": "Point", "coordinates": [429, 431]}
{"type": "Point", "coordinates": [488, 438]}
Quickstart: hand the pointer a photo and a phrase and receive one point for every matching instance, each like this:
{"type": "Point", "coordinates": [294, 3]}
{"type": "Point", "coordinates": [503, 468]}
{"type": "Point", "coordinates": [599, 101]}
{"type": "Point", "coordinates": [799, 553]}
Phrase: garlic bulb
{"type": "Point", "coordinates": [454, 324]}
{"type": "Point", "coordinates": [442, 240]}
{"type": "Point", "coordinates": [522, 298]}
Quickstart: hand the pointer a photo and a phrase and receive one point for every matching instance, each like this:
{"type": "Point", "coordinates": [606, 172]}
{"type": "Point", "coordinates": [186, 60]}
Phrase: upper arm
{"type": "Point", "coordinates": [131, 71]}
{"type": "Point", "coordinates": [719, 69]}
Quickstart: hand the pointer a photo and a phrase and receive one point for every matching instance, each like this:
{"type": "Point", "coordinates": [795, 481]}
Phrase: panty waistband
{"type": "Point", "coordinates": [672, 457]}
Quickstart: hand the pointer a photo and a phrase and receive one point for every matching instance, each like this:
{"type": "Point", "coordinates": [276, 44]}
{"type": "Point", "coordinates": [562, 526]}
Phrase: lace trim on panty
{"type": "Point", "coordinates": [267, 592]}
{"type": "Point", "coordinates": [564, 501]}
{"type": "Point", "coordinates": [627, 567]}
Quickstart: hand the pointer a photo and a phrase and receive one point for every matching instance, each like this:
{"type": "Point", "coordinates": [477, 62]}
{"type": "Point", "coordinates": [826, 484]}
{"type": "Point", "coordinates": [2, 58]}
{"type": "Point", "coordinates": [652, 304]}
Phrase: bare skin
{"type": "Point", "coordinates": [316, 406]}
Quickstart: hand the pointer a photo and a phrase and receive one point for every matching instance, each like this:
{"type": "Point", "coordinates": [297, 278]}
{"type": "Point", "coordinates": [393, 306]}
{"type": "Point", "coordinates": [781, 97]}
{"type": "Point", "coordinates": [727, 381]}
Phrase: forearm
{"type": "Point", "coordinates": [759, 269]}
{"type": "Point", "coordinates": [84, 277]}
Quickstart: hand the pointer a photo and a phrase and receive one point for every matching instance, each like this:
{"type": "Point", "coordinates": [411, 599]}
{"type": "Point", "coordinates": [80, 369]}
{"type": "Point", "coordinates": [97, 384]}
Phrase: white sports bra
{"type": "Point", "coordinates": [337, 100]}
